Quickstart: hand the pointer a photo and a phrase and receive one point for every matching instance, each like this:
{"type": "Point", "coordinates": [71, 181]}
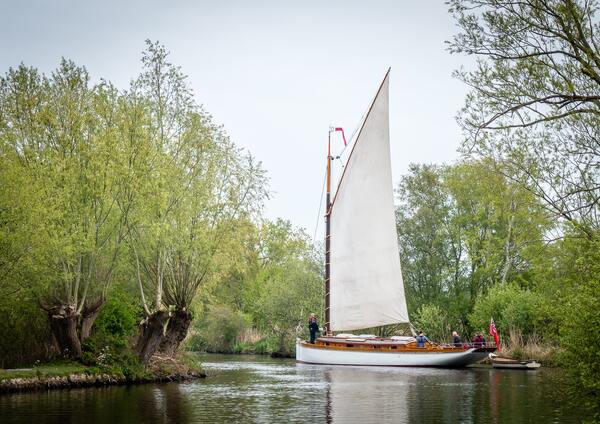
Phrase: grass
{"type": "Point", "coordinates": [53, 369]}
{"type": "Point", "coordinates": [120, 366]}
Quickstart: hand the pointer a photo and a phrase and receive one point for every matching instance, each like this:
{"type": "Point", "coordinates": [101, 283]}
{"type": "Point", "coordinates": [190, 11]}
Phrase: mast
{"type": "Point", "coordinates": [327, 236]}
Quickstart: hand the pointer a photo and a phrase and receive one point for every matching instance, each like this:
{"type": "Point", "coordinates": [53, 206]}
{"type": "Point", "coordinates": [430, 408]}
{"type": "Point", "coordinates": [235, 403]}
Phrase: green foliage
{"type": "Point", "coordinates": [287, 287]}
{"type": "Point", "coordinates": [434, 322]}
{"type": "Point", "coordinates": [219, 329]}
{"type": "Point", "coordinates": [111, 359]}
{"type": "Point", "coordinates": [186, 220]}
{"type": "Point", "coordinates": [97, 182]}
{"type": "Point", "coordinates": [511, 307]}
{"type": "Point", "coordinates": [262, 304]}
{"type": "Point", "coordinates": [117, 320]}
{"type": "Point", "coordinates": [26, 335]}
{"type": "Point", "coordinates": [579, 335]}
{"type": "Point", "coordinates": [463, 229]}
{"type": "Point", "coordinates": [533, 106]}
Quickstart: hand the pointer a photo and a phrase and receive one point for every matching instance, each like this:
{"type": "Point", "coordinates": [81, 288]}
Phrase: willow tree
{"type": "Point", "coordinates": [62, 137]}
{"type": "Point", "coordinates": [535, 96]}
{"type": "Point", "coordinates": [199, 188]}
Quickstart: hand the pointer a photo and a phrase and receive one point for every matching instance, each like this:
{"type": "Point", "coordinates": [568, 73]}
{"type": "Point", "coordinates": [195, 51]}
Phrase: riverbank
{"type": "Point", "coordinates": [290, 355]}
{"type": "Point", "coordinates": [67, 375]}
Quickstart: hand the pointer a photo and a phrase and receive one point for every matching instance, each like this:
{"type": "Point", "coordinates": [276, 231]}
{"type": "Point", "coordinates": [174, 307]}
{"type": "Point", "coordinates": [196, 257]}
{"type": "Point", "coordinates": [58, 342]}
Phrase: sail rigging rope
{"type": "Point", "coordinates": [320, 204]}
{"type": "Point", "coordinates": [339, 157]}
{"type": "Point", "coordinates": [358, 127]}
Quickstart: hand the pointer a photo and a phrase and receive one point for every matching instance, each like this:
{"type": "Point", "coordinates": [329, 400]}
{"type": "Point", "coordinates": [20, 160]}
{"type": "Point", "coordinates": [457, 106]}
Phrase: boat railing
{"type": "Point", "coordinates": [468, 345]}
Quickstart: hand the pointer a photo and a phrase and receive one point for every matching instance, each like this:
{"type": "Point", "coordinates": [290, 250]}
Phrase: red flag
{"type": "Point", "coordinates": [343, 135]}
{"type": "Point", "coordinates": [494, 331]}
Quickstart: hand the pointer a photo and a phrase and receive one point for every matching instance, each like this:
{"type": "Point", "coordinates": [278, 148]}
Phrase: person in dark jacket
{"type": "Point", "coordinates": [421, 339]}
{"type": "Point", "coordinates": [313, 327]}
{"type": "Point", "coordinates": [478, 340]}
{"type": "Point", "coordinates": [456, 341]}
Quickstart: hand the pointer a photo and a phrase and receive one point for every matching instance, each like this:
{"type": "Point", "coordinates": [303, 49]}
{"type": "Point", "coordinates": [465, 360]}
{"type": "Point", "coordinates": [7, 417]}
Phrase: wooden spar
{"type": "Point", "coordinates": [327, 238]}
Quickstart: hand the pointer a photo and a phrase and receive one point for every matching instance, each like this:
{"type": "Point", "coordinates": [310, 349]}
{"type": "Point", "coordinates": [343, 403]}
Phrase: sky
{"type": "Point", "coordinates": [276, 74]}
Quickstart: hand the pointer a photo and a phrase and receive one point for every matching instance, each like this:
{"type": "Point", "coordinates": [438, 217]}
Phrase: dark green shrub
{"type": "Point", "coordinates": [117, 321]}
{"type": "Point", "coordinates": [511, 307]}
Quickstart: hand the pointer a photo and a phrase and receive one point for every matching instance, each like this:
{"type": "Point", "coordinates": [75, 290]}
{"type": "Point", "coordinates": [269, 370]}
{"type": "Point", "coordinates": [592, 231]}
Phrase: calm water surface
{"type": "Point", "coordinates": [258, 389]}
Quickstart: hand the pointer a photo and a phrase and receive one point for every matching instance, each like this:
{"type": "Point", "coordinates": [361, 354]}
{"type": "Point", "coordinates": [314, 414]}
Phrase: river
{"type": "Point", "coordinates": [259, 389]}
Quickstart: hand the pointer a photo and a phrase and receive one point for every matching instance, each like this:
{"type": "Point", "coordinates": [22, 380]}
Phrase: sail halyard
{"type": "Point", "coordinates": [364, 287]}
{"type": "Point", "coordinates": [362, 125]}
{"type": "Point", "coordinates": [328, 239]}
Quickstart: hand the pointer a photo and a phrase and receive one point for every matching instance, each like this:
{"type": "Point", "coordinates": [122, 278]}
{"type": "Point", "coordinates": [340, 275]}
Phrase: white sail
{"type": "Point", "coordinates": [366, 282]}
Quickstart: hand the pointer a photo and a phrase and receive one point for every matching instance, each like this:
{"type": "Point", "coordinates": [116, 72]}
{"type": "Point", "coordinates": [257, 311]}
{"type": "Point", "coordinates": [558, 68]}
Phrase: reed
{"type": "Point", "coordinates": [533, 347]}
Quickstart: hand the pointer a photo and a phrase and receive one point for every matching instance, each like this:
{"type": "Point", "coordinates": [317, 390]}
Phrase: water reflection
{"type": "Point", "coordinates": [400, 395]}
{"type": "Point", "coordinates": [263, 390]}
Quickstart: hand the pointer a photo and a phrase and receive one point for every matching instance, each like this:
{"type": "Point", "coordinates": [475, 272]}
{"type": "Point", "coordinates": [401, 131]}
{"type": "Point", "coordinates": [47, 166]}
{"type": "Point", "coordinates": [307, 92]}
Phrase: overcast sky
{"type": "Point", "coordinates": [276, 74]}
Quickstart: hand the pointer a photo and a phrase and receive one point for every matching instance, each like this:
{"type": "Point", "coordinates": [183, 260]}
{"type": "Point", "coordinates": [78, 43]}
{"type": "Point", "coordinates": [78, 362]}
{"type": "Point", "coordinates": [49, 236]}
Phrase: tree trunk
{"type": "Point", "coordinates": [177, 330]}
{"type": "Point", "coordinates": [63, 321]}
{"type": "Point", "coordinates": [151, 332]}
{"type": "Point", "coordinates": [88, 317]}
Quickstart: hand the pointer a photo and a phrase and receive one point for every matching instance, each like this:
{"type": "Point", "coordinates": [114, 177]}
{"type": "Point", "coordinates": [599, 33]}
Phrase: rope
{"type": "Point", "coordinates": [358, 126]}
{"type": "Point", "coordinates": [320, 204]}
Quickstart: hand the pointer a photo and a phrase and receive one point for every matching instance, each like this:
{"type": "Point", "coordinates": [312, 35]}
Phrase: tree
{"type": "Point", "coordinates": [431, 246]}
{"type": "Point", "coordinates": [287, 284]}
{"type": "Point", "coordinates": [580, 314]}
{"type": "Point", "coordinates": [60, 136]}
{"type": "Point", "coordinates": [535, 104]}
{"type": "Point", "coordinates": [464, 229]}
{"type": "Point", "coordinates": [534, 101]}
{"type": "Point", "coordinates": [185, 218]}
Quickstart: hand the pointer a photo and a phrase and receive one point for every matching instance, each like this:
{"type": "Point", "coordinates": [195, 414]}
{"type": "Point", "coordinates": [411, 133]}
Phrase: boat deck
{"type": "Point", "coordinates": [391, 345]}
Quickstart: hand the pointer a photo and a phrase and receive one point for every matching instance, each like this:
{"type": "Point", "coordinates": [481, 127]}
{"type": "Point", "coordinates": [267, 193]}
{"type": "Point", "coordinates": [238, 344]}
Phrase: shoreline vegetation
{"type": "Point", "coordinates": [69, 374]}
{"type": "Point", "coordinates": [547, 355]}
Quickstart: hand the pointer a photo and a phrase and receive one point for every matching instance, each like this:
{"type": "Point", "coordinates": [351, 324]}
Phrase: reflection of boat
{"type": "Point", "coordinates": [363, 280]}
{"type": "Point", "coordinates": [500, 362]}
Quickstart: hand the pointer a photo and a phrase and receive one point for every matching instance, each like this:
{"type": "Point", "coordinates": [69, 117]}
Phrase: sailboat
{"type": "Point", "coordinates": [363, 279]}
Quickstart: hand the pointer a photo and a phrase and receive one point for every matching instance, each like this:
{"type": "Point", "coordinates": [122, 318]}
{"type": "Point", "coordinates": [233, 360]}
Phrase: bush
{"type": "Point", "coordinates": [117, 320]}
{"type": "Point", "coordinates": [433, 321]}
{"type": "Point", "coordinates": [511, 307]}
{"type": "Point", "coordinates": [580, 338]}
{"type": "Point", "coordinates": [218, 330]}
{"type": "Point", "coordinates": [107, 349]}
{"type": "Point", "coordinates": [26, 334]}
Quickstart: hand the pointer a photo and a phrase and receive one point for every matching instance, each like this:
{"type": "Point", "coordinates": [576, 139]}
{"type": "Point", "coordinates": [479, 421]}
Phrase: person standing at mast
{"type": "Point", "coordinates": [313, 327]}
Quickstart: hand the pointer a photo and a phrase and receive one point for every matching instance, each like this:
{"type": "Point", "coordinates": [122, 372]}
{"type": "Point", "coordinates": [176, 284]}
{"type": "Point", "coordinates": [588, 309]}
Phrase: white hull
{"type": "Point", "coordinates": [315, 355]}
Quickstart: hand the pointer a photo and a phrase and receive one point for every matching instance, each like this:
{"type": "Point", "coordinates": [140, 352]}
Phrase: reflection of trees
{"type": "Point", "coordinates": [441, 396]}
{"type": "Point", "coordinates": [164, 403]}
{"type": "Point", "coordinates": [305, 393]}
{"type": "Point", "coordinates": [366, 394]}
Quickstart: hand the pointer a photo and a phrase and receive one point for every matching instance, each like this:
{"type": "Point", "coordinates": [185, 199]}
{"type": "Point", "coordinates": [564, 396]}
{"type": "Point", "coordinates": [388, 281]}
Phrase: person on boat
{"type": "Point", "coordinates": [313, 327]}
{"type": "Point", "coordinates": [478, 340]}
{"type": "Point", "coordinates": [421, 339]}
{"type": "Point", "coordinates": [456, 341]}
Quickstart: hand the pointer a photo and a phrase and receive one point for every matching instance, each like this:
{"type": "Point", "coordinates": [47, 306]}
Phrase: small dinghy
{"type": "Point", "coordinates": [499, 362]}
